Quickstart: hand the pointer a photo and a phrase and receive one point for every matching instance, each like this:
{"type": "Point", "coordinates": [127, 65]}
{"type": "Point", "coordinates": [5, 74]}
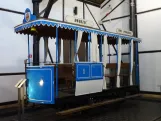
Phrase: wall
{"type": "Point", "coordinates": [112, 25]}
{"type": "Point", "coordinates": [149, 31]}
{"type": "Point", "coordinates": [14, 47]}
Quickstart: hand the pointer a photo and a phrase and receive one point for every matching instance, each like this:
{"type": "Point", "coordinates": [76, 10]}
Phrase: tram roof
{"type": "Point", "coordinates": [47, 28]}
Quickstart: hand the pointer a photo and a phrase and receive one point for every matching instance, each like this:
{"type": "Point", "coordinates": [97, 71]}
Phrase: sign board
{"type": "Point", "coordinates": [79, 21]}
{"type": "Point", "coordinates": [125, 32]}
{"type": "Point", "coordinates": [28, 16]}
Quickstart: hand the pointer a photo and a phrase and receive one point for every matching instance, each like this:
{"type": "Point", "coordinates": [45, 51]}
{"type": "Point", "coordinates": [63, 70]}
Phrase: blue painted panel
{"type": "Point", "coordinates": [89, 71]}
{"type": "Point", "coordinates": [40, 84]}
{"type": "Point", "coordinates": [82, 71]}
{"type": "Point", "coordinates": [96, 71]}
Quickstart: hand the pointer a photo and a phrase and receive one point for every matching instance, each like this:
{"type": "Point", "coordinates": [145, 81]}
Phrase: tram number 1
{"type": "Point", "coordinates": [84, 71]}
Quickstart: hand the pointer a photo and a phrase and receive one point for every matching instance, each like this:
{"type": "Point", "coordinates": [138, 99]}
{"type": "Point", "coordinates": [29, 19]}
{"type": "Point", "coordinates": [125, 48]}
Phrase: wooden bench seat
{"type": "Point", "coordinates": [114, 65]}
{"type": "Point", "coordinates": [65, 71]}
{"type": "Point", "coordinates": [112, 76]}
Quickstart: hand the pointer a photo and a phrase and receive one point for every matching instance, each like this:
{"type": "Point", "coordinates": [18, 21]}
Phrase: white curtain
{"type": "Point", "coordinates": [131, 60]}
{"type": "Point", "coordinates": [61, 51]}
{"type": "Point", "coordinates": [94, 46]}
{"type": "Point", "coordinates": [105, 52]}
{"type": "Point", "coordinates": [79, 38]}
{"type": "Point", "coordinates": [118, 61]}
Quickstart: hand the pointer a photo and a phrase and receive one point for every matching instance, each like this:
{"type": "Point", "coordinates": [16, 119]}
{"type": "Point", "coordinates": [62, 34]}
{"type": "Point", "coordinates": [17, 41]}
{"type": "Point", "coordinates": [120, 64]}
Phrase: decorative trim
{"type": "Point", "coordinates": [51, 23]}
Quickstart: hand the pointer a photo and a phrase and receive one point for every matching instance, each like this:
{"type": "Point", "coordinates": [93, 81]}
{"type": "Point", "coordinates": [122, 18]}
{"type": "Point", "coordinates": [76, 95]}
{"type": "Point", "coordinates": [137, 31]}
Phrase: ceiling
{"type": "Point", "coordinates": [97, 1]}
{"type": "Point", "coordinates": [93, 2]}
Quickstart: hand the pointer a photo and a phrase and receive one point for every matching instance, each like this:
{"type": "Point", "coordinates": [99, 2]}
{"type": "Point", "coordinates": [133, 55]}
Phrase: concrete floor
{"type": "Point", "coordinates": [131, 110]}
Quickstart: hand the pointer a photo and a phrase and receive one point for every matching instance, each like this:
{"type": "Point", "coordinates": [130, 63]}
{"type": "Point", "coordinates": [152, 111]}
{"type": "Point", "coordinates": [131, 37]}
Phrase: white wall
{"type": "Point", "coordinates": [122, 10]}
{"type": "Point", "coordinates": [149, 31]}
{"type": "Point", "coordinates": [8, 92]}
{"type": "Point", "coordinates": [18, 5]}
{"type": "Point", "coordinates": [14, 47]}
{"type": "Point", "coordinates": [111, 26]}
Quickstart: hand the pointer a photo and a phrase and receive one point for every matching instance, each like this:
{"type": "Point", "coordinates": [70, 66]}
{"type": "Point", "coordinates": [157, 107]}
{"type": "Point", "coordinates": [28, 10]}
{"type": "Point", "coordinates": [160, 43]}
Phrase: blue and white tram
{"type": "Point", "coordinates": [86, 67]}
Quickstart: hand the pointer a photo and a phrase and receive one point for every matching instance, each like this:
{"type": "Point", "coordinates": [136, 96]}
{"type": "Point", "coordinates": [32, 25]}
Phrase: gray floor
{"type": "Point", "coordinates": [131, 110]}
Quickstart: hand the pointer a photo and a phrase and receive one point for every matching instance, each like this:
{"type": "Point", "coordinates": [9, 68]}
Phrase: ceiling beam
{"type": "Point", "coordinates": [90, 3]}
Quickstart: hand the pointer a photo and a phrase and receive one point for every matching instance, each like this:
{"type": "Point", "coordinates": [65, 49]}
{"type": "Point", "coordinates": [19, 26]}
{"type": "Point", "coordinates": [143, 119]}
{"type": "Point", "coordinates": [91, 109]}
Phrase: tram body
{"type": "Point", "coordinates": [79, 75]}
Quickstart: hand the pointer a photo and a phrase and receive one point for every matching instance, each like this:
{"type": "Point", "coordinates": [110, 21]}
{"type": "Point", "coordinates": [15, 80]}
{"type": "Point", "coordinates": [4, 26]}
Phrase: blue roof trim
{"type": "Point", "coordinates": [50, 23]}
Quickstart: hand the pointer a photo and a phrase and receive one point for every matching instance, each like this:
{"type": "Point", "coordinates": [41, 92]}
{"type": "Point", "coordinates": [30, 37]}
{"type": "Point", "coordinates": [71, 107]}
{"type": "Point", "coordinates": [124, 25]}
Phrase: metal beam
{"type": "Point", "coordinates": [36, 39]}
{"type": "Point", "coordinates": [92, 16]}
{"type": "Point", "coordinates": [112, 10]}
{"type": "Point", "coordinates": [83, 10]}
{"type": "Point", "coordinates": [90, 3]}
{"type": "Point", "coordinates": [42, 12]}
{"type": "Point", "coordinates": [142, 12]}
{"type": "Point", "coordinates": [116, 18]}
{"type": "Point", "coordinates": [105, 4]}
{"type": "Point", "coordinates": [48, 8]}
{"type": "Point", "coordinates": [63, 11]}
{"type": "Point", "coordinates": [11, 11]}
{"type": "Point", "coordinates": [50, 56]}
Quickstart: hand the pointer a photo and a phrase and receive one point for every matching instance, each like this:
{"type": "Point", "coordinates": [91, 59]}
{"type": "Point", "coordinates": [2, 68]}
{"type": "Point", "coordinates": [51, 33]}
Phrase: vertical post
{"type": "Point", "coordinates": [63, 10]}
{"type": "Point", "coordinates": [109, 53]}
{"type": "Point", "coordinates": [83, 10]}
{"type": "Point", "coordinates": [59, 50]}
{"type": "Point", "coordinates": [89, 47]}
{"type": "Point", "coordinates": [117, 41]}
{"type": "Point", "coordinates": [19, 105]}
{"type": "Point", "coordinates": [57, 60]}
{"type": "Point", "coordinates": [70, 51]}
{"type": "Point", "coordinates": [45, 48]}
{"type": "Point", "coordinates": [133, 28]}
{"type": "Point", "coordinates": [133, 17]}
{"type": "Point", "coordinates": [22, 101]}
{"type": "Point", "coordinates": [100, 48]}
{"type": "Point", "coordinates": [137, 64]}
{"type": "Point", "coordinates": [75, 46]}
{"type": "Point", "coordinates": [28, 51]}
{"type": "Point", "coordinates": [36, 39]}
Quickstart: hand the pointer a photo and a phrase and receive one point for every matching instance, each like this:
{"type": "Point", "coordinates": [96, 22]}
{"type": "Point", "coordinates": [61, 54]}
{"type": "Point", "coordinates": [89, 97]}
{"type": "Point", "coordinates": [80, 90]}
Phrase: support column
{"type": "Point", "coordinates": [133, 28]}
{"type": "Point", "coordinates": [36, 39]}
{"type": "Point", "coordinates": [133, 23]}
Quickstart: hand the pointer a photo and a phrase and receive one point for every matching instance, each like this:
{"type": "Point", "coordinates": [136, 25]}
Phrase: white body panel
{"type": "Point", "coordinates": [88, 87]}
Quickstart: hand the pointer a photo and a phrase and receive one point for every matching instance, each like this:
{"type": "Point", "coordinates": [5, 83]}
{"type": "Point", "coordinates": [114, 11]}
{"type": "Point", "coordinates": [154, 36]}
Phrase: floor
{"type": "Point", "coordinates": [130, 110]}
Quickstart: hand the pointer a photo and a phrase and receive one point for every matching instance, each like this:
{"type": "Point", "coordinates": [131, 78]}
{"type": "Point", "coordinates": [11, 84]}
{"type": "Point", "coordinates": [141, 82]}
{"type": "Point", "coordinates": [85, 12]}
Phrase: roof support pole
{"type": "Point", "coordinates": [133, 28]}
{"type": "Point", "coordinates": [36, 38]}
{"type": "Point", "coordinates": [133, 22]}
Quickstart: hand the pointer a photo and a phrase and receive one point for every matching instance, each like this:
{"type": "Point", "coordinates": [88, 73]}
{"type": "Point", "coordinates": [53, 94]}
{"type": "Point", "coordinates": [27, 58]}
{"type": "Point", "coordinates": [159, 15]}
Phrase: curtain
{"type": "Point", "coordinates": [94, 46]}
{"type": "Point", "coordinates": [79, 38]}
{"type": "Point", "coordinates": [131, 61]}
{"type": "Point", "coordinates": [61, 41]}
{"type": "Point", "coordinates": [105, 52]}
{"type": "Point", "coordinates": [118, 61]}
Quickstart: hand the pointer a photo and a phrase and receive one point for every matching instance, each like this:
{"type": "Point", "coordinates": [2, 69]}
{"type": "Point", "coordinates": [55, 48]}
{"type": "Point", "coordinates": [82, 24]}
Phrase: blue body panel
{"type": "Point", "coordinates": [40, 84]}
{"type": "Point", "coordinates": [82, 71]}
{"type": "Point", "coordinates": [89, 71]}
{"type": "Point", "coordinates": [97, 71]}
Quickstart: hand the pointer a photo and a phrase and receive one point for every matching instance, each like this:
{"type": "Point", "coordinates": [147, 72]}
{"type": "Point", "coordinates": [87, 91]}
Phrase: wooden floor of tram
{"type": "Point", "coordinates": [130, 110]}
